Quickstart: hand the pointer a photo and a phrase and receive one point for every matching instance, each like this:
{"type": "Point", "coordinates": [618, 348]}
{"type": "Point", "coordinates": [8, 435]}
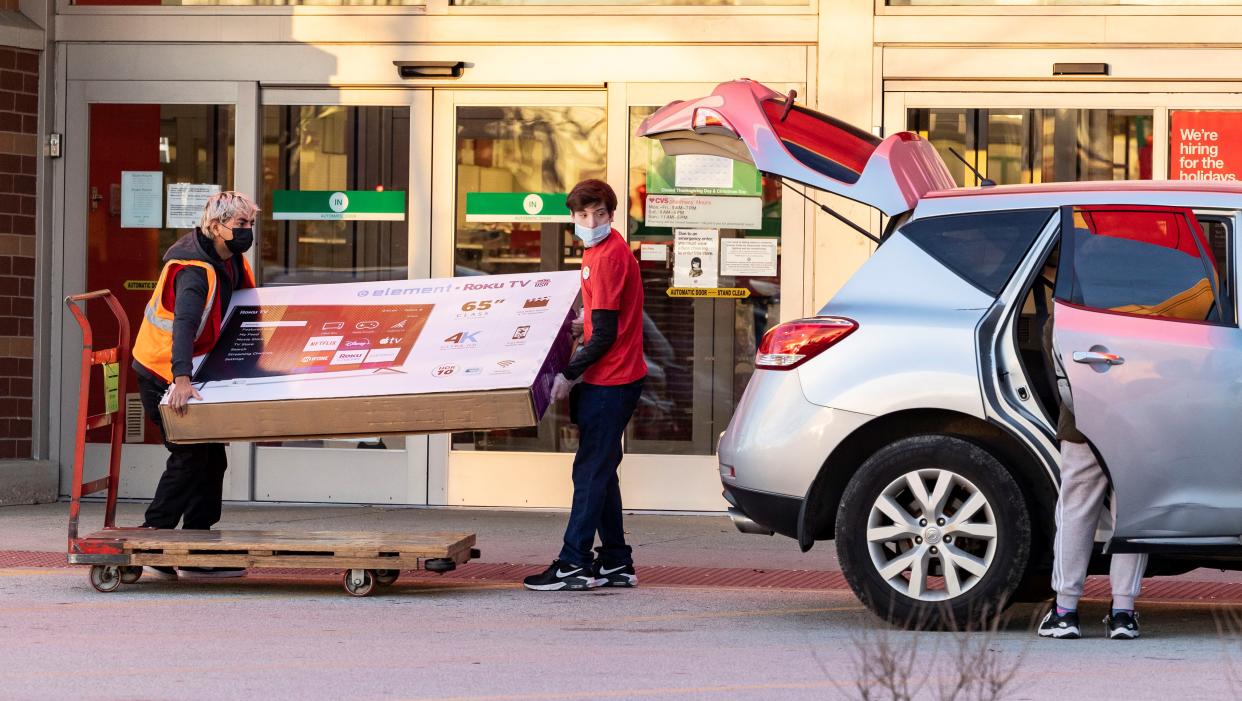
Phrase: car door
{"type": "Point", "coordinates": [1145, 326]}
{"type": "Point", "coordinates": [749, 122]}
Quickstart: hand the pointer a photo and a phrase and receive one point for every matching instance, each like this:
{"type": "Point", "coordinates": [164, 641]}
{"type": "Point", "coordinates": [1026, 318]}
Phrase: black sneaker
{"type": "Point", "coordinates": [211, 572]}
{"type": "Point", "coordinates": [1122, 625]}
{"type": "Point", "coordinates": [562, 576]}
{"type": "Point", "coordinates": [1057, 625]}
{"type": "Point", "coordinates": [615, 575]}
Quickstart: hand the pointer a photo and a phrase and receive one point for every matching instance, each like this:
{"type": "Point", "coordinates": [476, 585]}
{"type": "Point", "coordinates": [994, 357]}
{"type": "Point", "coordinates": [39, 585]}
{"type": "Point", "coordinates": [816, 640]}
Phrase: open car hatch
{"type": "Point", "coordinates": [749, 122]}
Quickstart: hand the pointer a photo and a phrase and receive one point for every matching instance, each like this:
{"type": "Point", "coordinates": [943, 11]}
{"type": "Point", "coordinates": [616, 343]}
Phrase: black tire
{"type": "Point", "coordinates": [991, 591]}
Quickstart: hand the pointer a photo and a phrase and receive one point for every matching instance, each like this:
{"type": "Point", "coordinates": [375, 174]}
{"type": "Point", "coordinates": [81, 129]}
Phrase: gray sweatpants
{"type": "Point", "coordinates": [1083, 486]}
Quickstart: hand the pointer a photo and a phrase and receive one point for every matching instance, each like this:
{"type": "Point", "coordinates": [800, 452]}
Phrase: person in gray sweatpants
{"type": "Point", "coordinates": [1079, 507]}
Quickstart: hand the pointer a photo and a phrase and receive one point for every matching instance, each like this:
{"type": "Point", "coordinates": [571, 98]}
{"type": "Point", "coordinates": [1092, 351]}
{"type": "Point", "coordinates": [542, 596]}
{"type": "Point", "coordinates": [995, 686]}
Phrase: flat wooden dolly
{"type": "Point", "coordinates": [117, 555]}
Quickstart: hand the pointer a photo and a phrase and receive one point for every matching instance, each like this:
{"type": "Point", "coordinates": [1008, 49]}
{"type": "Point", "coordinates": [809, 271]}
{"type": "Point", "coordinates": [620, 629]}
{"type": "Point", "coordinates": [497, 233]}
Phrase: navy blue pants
{"type": "Point", "coordinates": [602, 413]}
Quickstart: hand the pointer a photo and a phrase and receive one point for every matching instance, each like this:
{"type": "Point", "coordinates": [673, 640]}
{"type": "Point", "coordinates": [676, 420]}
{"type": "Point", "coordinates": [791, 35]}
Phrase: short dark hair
{"type": "Point", "coordinates": [590, 193]}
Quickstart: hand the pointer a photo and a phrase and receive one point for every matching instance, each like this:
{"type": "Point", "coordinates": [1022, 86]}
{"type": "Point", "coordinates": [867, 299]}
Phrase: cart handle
{"type": "Point", "coordinates": [85, 296]}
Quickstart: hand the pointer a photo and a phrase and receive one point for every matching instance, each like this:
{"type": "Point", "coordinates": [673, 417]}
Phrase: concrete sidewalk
{"type": "Point", "coordinates": [523, 537]}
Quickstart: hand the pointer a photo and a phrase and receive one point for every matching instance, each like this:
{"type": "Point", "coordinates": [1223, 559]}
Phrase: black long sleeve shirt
{"type": "Point", "coordinates": [603, 335]}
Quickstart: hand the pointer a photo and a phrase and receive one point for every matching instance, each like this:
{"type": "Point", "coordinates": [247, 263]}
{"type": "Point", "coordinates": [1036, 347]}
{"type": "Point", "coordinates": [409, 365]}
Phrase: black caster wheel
{"type": "Point", "coordinates": [386, 577]}
{"type": "Point", "coordinates": [359, 582]}
{"type": "Point", "coordinates": [131, 574]}
{"type": "Point", "coordinates": [105, 578]}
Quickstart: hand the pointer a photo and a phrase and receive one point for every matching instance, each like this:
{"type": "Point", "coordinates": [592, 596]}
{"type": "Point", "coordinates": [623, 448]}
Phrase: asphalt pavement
{"type": "Point", "coordinates": [288, 635]}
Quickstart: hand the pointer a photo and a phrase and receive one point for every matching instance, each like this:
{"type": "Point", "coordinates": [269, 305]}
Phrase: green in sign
{"type": "Point", "coordinates": [339, 205]}
{"type": "Point", "coordinates": [516, 207]}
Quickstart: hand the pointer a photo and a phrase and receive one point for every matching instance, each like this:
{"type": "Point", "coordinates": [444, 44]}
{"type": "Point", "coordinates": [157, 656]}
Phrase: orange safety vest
{"type": "Point", "coordinates": [153, 347]}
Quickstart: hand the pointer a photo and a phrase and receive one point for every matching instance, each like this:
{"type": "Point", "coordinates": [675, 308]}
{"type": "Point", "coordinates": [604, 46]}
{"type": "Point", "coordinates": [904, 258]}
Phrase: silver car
{"type": "Point", "coordinates": [912, 420]}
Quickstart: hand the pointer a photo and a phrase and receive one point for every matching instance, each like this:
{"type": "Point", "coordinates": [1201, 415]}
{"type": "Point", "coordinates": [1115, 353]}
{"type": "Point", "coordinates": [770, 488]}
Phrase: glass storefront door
{"type": "Point", "coordinates": [699, 351]}
{"type": "Point", "coordinates": [340, 141]}
{"type": "Point", "coordinates": [1016, 138]}
{"type": "Point", "coordinates": [146, 151]}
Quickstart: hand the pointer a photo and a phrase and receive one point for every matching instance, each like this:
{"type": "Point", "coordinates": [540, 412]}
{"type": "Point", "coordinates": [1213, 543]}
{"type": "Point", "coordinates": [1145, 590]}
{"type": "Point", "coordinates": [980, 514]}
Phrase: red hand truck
{"type": "Point", "coordinates": [104, 554]}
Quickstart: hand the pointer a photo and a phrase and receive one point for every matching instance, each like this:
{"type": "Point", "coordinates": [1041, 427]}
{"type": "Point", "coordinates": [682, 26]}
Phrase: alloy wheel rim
{"type": "Point", "coordinates": [932, 534]}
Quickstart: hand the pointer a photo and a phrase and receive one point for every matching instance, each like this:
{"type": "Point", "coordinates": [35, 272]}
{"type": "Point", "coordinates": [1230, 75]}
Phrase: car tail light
{"type": "Point", "coordinates": [707, 119]}
{"type": "Point", "coordinates": [791, 344]}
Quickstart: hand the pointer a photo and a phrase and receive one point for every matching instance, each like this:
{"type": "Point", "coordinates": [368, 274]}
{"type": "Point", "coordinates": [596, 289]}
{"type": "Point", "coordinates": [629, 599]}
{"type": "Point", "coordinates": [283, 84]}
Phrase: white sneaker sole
{"type": "Point", "coordinates": [210, 575]}
{"type": "Point", "coordinates": [1058, 633]}
{"type": "Point", "coordinates": [631, 580]}
{"type": "Point", "coordinates": [1123, 634]}
{"type": "Point", "coordinates": [558, 586]}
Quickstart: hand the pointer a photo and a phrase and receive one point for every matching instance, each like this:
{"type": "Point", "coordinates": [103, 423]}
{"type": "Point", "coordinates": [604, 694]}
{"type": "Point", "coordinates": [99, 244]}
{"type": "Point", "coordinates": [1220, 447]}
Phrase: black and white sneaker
{"type": "Point", "coordinates": [615, 575]}
{"type": "Point", "coordinates": [1122, 625]}
{"type": "Point", "coordinates": [562, 576]}
{"type": "Point", "coordinates": [1063, 626]}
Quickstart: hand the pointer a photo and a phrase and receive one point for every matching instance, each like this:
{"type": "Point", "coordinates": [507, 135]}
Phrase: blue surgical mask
{"type": "Point", "coordinates": [590, 236]}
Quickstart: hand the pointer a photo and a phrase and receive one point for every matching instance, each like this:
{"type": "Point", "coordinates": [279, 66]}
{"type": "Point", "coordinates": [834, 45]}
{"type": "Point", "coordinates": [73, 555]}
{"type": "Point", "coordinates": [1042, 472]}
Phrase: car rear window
{"type": "Point", "coordinates": [984, 248]}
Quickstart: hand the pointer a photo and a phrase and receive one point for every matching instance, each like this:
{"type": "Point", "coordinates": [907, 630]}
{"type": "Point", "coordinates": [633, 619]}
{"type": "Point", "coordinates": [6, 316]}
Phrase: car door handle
{"type": "Point", "coordinates": [1096, 357]}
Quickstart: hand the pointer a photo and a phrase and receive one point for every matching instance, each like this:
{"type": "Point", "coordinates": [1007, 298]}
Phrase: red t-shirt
{"type": "Point", "coordinates": [610, 280]}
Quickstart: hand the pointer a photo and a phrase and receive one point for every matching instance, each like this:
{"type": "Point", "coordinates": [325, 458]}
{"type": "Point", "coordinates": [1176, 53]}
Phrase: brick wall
{"type": "Point", "coordinates": [19, 153]}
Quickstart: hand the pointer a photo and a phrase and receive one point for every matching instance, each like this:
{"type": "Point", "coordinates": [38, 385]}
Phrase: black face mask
{"type": "Point", "coordinates": [241, 241]}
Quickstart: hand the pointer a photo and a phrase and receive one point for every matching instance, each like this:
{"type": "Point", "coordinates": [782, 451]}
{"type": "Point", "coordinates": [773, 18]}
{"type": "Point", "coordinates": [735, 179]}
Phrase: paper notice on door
{"type": "Point", "coordinates": [185, 204]}
{"type": "Point", "coordinates": [140, 199]}
{"type": "Point", "coordinates": [750, 257]}
{"type": "Point", "coordinates": [695, 170]}
{"type": "Point", "coordinates": [695, 257]}
{"type": "Point", "coordinates": [705, 211]}
{"type": "Point", "coordinates": [656, 252]}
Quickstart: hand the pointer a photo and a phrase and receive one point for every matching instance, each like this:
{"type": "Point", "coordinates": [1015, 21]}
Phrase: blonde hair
{"type": "Point", "coordinates": [223, 206]}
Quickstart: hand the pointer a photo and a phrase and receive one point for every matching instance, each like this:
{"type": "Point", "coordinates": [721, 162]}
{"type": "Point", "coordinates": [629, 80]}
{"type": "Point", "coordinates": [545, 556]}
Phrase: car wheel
{"type": "Point", "coordinates": [933, 532]}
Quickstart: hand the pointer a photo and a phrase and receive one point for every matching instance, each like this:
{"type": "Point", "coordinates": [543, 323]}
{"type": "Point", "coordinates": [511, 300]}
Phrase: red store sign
{"type": "Point", "coordinates": [1205, 145]}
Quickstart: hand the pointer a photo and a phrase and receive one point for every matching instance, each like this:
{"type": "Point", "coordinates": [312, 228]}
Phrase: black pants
{"type": "Point", "coordinates": [192, 485]}
{"type": "Point", "coordinates": [601, 413]}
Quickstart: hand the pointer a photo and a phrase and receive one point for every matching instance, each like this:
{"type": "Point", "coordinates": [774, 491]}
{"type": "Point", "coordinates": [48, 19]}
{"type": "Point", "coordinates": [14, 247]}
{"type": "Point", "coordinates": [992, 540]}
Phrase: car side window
{"type": "Point", "coordinates": [1219, 231]}
{"type": "Point", "coordinates": [984, 248]}
{"type": "Point", "coordinates": [1157, 262]}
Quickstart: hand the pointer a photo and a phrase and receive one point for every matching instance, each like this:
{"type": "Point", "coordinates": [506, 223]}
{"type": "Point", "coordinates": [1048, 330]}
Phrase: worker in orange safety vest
{"type": "Point", "coordinates": [181, 324]}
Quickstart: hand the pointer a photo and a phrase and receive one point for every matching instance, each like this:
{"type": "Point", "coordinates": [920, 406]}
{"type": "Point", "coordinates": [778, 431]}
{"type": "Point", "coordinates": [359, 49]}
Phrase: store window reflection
{"type": "Point", "coordinates": [1012, 146]}
{"type": "Point", "coordinates": [700, 352]}
{"type": "Point", "coordinates": [310, 153]}
{"type": "Point", "coordinates": [523, 151]}
{"type": "Point", "coordinates": [329, 149]}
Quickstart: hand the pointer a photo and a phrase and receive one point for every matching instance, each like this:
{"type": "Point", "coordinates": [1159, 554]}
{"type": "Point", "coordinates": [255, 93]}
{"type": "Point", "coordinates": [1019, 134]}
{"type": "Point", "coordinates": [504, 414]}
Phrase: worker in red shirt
{"type": "Point", "coordinates": [605, 378]}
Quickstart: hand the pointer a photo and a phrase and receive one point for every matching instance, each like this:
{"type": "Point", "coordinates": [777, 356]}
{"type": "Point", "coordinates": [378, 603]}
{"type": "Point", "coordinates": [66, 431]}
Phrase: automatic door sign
{"type": "Point", "coordinates": [508, 207]}
{"type": "Point", "coordinates": [338, 205]}
{"type": "Point", "coordinates": [728, 292]}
